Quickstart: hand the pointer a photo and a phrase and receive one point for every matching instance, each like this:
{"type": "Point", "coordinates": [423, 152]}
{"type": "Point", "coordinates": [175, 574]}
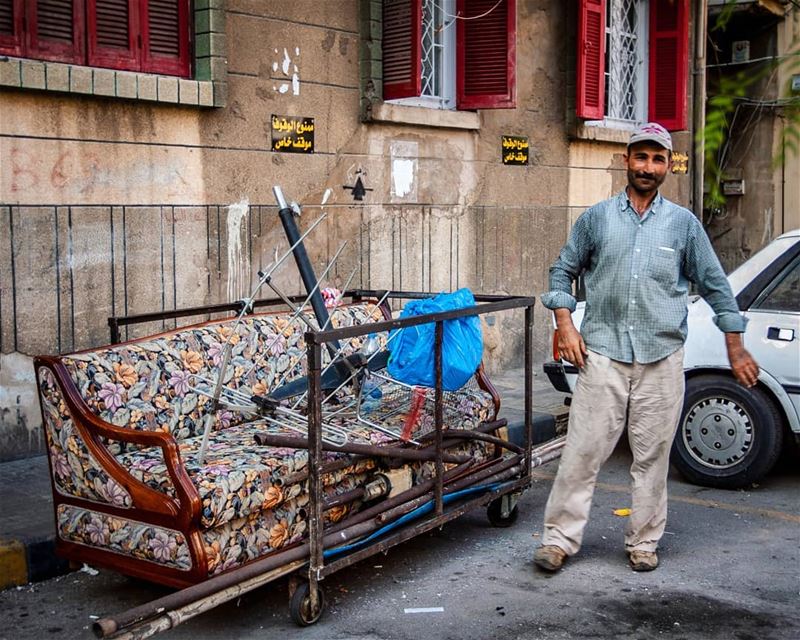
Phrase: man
{"type": "Point", "coordinates": [638, 251]}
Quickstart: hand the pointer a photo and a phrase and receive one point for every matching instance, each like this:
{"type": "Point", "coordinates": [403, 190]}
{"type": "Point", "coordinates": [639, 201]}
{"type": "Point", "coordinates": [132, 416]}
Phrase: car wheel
{"type": "Point", "coordinates": [728, 436]}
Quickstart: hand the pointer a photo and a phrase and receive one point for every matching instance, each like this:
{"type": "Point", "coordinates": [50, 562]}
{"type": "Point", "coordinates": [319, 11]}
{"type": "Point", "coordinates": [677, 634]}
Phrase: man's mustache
{"type": "Point", "coordinates": [647, 176]}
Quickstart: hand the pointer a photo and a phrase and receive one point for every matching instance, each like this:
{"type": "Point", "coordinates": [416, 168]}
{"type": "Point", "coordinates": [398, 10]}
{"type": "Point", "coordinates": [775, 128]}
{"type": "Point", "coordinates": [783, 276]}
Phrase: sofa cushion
{"type": "Point", "coordinates": [162, 383]}
{"type": "Point", "coordinates": [238, 476]}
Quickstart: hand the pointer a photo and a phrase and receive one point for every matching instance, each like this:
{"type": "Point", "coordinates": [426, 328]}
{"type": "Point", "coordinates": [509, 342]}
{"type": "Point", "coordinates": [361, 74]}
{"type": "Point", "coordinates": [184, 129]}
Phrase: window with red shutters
{"type": "Point", "coordinates": [153, 36]}
{"type": "Point", "coordinates": [666, 55]}
{"type": "Point", "coordinates": [590, 94]}
{"type": "Point", "coordinates": [11, 25]}
{"type": "Point", "coordinates": [55, 30]}
{"type": "Point", "coordinates": [164, 50]}
{"type": "Point", "coordinates": [113, 26]}
{"type": "Point", "coordinates": [402, 48]}
{"type": "Point", "coordinates": [486, 47]}
{"type": "Point", "coordinates": [669, 60]}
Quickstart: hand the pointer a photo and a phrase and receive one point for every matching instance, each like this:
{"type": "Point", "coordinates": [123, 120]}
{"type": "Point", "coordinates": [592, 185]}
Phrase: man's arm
{"type": "Point", "coordinates": [570, 341]}
{"type": "Point", "coordinates": [704, 269]}
{"type": "Point", "coordinates": [743, 365]}
{"type": "Point", "coordinates": [571, 261]}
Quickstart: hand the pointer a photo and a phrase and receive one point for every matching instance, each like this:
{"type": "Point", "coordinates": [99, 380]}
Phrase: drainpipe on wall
{"type": "Point", "coordinates": [699, 104]}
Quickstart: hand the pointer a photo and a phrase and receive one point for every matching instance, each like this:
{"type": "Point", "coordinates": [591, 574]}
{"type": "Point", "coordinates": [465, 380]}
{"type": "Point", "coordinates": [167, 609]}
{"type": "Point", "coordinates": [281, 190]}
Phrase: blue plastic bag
{"type": "Point", "coordinates": [412, 352]}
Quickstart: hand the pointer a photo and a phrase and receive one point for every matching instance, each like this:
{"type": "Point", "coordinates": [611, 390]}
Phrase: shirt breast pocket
{"type": "Point", "coordinates": [663, 266]}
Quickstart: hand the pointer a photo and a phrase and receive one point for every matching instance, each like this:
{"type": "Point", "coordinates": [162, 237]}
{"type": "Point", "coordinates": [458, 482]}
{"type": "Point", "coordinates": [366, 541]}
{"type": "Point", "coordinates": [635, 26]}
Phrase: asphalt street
{"type": "Point", "coordinates": [730, 570]}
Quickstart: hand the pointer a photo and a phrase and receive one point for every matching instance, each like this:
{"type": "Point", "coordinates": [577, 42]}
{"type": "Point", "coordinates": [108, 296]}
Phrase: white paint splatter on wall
{"type": "Point", "coordinates": [285, 64]}
{"type": "Point", "coordinates": [404, 170]}
{"type": "Point", "coordinates": [238, 261]}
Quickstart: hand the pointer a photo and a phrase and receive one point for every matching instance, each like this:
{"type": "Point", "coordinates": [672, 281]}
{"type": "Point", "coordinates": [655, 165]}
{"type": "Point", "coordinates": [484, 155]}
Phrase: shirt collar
{"type": "Point", "coordinates": [625, 202]}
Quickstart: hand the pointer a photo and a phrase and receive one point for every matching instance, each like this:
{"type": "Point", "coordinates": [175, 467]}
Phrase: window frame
{"type": "Point", "coordinates": [667, 50]}
{"type": "Point", "coordinates": [788, 270]}
{"type": "Point", "coordinates": [401, 71]}
{"type": "Point", "coordinates": [447, 66]}
{"type": "Point", "coordinates": [642, 84]}
{"type": "Point", "coordinates": [85, 49]}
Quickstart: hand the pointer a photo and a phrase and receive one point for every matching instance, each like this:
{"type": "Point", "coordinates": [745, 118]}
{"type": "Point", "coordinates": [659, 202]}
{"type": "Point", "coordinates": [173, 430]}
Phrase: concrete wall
{"type": "Point", "coordinates": [114, 207]}
{"type": "Point", "coordinates": [769, 205]}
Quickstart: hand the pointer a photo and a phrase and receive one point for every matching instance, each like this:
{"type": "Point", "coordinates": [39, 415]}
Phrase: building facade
{"type": "Point", "coordinates": [451, 142]}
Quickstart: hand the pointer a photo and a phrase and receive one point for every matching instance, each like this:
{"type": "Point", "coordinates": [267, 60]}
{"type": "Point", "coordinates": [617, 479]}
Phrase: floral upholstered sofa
{"type": "Point", "coordinates": [124, 425]}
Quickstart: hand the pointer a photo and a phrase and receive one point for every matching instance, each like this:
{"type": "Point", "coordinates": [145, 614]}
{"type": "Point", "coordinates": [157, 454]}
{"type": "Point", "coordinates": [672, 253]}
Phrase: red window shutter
{"type": "Point", "coordinates": [11, 38]}
{"type": "Point", "coordinates": [402, 48]}
{"type": "Point", "coordinates": [166, 31]}
{"type": "Point", "coordinates": [55, 30]}
{"type": "Point", "coordinates": [590, 88]}
{"type": "Point", "coordinates": [112, 30]}
{"type": "Point", "coordinates": [486, 54]}
{"type": "Point", "coordinates": [669, 62]}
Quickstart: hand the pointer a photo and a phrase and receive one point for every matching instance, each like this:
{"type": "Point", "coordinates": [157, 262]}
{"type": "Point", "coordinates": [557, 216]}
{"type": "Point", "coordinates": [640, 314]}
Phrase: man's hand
{"type": "Point", "coordinates": [570, 342]}
{"type": "Point", "coordinates": [744, 367]}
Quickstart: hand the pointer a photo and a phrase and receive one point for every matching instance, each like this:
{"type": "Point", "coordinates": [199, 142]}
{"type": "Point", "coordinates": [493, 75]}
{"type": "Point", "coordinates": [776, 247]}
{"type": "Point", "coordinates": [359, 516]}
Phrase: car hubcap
{"type": "Point", "coordinates": [717, 432]}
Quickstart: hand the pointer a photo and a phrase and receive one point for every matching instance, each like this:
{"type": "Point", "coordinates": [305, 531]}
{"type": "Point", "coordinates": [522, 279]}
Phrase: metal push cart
{"type": "Point", "coordinates": [495, 484]}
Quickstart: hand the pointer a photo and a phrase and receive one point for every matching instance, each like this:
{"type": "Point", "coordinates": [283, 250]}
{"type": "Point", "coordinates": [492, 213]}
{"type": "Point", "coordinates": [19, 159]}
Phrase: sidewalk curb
{"type": "Point", "coordinates": [30, 560]}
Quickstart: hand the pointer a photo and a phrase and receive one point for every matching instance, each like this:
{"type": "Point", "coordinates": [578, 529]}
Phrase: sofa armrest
{"type": "Point", "coordinates": [187, 508]}
{"type": "Point", "coordinates": [486, 384]}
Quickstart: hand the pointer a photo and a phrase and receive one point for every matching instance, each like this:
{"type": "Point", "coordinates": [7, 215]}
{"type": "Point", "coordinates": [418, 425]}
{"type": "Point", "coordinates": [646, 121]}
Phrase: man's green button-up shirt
{"type": "Point", "coordinates": [637, 272]}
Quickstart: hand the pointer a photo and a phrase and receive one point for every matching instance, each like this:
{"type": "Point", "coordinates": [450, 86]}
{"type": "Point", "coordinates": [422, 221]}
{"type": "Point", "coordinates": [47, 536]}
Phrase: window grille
{"type": "Point", "coordinates": [433, 26]}
{"type": "Point", "coordinates": [625, 77]}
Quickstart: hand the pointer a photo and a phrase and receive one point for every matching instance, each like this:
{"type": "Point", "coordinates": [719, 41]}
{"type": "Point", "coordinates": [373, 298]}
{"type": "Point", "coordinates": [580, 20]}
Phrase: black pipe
{"type": "Point", "coordinates": [304, 267]}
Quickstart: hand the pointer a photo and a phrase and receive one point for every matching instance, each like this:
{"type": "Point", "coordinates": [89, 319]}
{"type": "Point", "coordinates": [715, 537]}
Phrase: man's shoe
{"type": "Point", "coordinates": [643, 560]}
{"type": "Point", "coordinates": [549, 557]}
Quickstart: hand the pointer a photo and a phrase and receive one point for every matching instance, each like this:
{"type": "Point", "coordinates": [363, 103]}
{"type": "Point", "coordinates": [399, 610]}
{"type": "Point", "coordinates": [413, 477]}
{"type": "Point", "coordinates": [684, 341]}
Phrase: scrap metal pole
{"type": "Point", "coordinates": [438, 418]}
{"type": "Point", "coordinates": [699, 106]}
{"type": "Point", "coordinates": [286, 215]}
{"type": "Point", "coordinates": [315, 529]}
{"type": "Point", "coordinates": [528, 387]}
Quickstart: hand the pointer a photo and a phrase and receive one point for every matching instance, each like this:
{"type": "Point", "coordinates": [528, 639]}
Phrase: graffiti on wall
{"type": "Point", "coordinates": [80, 173]}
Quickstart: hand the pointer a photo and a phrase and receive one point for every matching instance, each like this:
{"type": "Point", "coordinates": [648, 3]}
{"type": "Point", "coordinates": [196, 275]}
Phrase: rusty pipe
{"type": "Point", "coordinates": [273, 440]}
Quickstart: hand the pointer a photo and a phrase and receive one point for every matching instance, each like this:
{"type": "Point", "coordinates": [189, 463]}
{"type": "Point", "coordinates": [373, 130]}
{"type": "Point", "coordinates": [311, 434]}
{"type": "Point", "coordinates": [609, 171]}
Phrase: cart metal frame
{"type": "Point", "coordinates": [509, 476]}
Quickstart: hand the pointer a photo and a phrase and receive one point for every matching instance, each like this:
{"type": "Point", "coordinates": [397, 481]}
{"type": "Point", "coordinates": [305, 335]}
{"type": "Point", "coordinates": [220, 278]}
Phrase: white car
{"type": "Point", "coordinates": [730, 436]}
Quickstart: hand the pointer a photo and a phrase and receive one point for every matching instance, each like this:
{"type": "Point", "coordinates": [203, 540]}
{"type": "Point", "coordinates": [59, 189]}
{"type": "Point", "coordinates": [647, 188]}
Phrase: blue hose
{"type": "Point", "coordinates": [411, 515]}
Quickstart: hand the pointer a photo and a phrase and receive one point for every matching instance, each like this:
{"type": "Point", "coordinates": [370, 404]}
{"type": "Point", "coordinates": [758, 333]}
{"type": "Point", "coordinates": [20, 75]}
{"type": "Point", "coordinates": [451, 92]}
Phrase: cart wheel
{"type": "Point", "coordinates": [494, 512]}
{"type": "Point", "coordinates": [300, 606]}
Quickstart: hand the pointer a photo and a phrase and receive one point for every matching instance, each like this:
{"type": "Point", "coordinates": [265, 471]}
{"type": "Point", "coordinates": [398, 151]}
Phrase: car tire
{"type": "Point", "coordinates": [728, 436]}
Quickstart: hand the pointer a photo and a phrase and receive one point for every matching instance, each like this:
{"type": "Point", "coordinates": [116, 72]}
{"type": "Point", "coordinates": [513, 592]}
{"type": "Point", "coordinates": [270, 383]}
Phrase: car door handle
{"type": "Point", "coordinates": [778, 333]}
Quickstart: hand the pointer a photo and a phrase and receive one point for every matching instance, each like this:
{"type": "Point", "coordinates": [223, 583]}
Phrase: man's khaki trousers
{"type": "Point", "coordinates": [609, 394]}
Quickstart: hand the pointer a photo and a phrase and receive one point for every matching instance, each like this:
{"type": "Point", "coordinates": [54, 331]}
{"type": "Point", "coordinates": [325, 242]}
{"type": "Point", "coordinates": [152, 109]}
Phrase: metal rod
{"type": "Point", "coordinates": [228, 346]}
{"type": "Point", "coordinates": [528, 386]}
{"type": "Point", "coordinates": [299, 311]}
{"type": "Point", "coordinates": [465, 434]}
{"type": "Point", "coordinates": [275, 440]}
{"type": "Point", "coordinates": [315, 445]}
{"type": "Point", "coordinates": [438, 416]}
{"type": "Point", "coordinates": [353, 374]}
{"type": "Point", "coordinates": [298, 357]}
{"type": "Point", "coordinates": [310, 280]}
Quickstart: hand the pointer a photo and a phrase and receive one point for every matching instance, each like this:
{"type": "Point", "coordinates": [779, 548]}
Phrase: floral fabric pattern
{"type": "Point", "coordinates": [120, 535]}
{"type": "Point", "coordinates": [239, 541]}
{"type": "Point", "coordinates": [75, 470]}
{"type": "Point", "coordinates": [163, 384]}
{"type": "Point", "coordinates": [238, 477]}
{"type": "Point", "coordinates": [254, 498]}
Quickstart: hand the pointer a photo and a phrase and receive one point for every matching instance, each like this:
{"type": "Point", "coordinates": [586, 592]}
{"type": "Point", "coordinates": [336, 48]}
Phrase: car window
{"type": "Point", "coordinates": [783, 294]}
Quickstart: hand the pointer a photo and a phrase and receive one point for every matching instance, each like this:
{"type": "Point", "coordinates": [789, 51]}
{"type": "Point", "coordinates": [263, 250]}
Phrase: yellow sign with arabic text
{"type": "Point", "coordinates": [680, 163]}
{"type": "Point", "coordinates": [292, 135]}
{"type": "Point", "coordinates": [515, 150]}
